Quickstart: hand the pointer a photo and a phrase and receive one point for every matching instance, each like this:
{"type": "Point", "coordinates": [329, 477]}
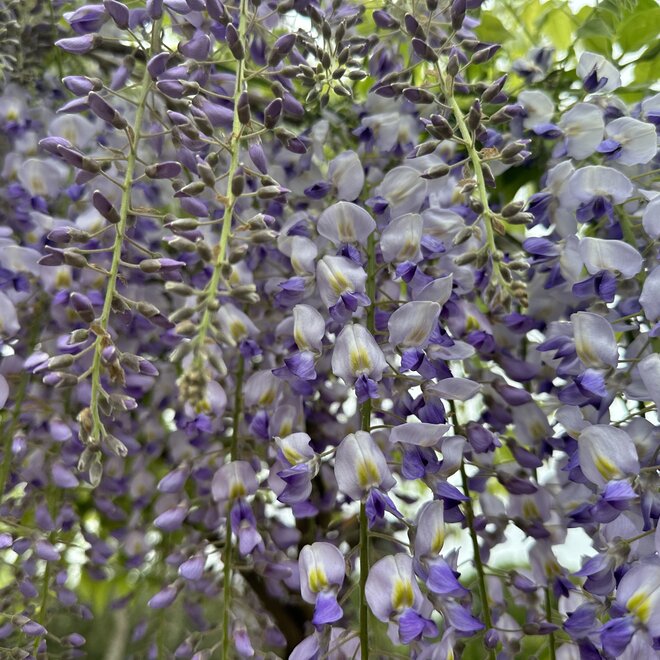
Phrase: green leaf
{"type": "Point", "coordinates": [640, 29]}
{"type": "Point", "coordinates": [596, 35]}
{"type": "Point", "coordinates": [647, 71]}
{"type": "Point", "coordinates": [559, 27]}
{"type": "Point", "coordinates": [491, 29]}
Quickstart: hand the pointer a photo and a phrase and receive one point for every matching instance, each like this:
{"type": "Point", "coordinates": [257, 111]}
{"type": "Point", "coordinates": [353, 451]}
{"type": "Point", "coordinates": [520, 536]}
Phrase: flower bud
{"type": "Point", "coordinates": [272, 113]}
{"type": "Point", "coordinates": [165, 170]}
{"type": "Point", "coordinates": [104, 207]}
{"type": "Point", "coordinates": [217, 11]}
{"type": "Point", "coordinates": [453, 65]}
{"type": "Point", "coordinates": [384, 20]}
{"type": "Point", "coordinates": [436, 171]}
{"type": "Point", "coordinates": [160, 265]}
{"type": "Point", "coordinates": [418, 95]}
{"type": "Point", "coordinates": [238, 182]}
{"type": "Point", "coordinates": [75, 259]}
{"type": "Point", "coordinates": [191, 189]}
{"type": "Point", "coordinates": [281, 48]}
{"type": "Point", "coordinates": [82, 85]}
{"type": "Point", "coordinates": [116, 446]}
{"type": "Point", "coordinates": [68, 235]}
{"type": "Point", "coordinates": [79, 336]}
{"type": "Point", "coordinates": [424, 51]}
{"type": "Point", "coordinates": [103, 110]}
{"type": "Point", "coordinates": [474, 116]}
{"type": "Point", "coordinates": [234, 42]}
{"type": "Point", "coordinates": [80, 45]}
{"type": "Point", "coordinates": [118, 12]}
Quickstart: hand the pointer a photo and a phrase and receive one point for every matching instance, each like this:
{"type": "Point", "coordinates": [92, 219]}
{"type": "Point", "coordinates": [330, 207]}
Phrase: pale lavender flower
{"type": "Point", "coordinates": [235, 325]}
{"type": "Point", "coordinates": [597, 73]}
{"type": "Point", "coordinates": [419, 434]}
{"type": "Point", "coordinates": [341, 283]}
{"type": "Point", "coordinates": [394, 595]}
{"type": "Point", "coordinates": [594, 190]}
{"type": "Point", "coordinates": [345, 222]}
{"type": "Point", "coordinates": [403, 189]}
{"type": "Point", "coordinates": [582, 127]}
{"type": "Point", "coordinates": [322, 572]}
{"type": "Point", "coordinates": [595, 342]}
{"type": "Point", "coordinates": [346, 173]}
{"type": "Point", "coordinates": [360, 466]}
{"type": "Point", "coordinates": [356, 354]}
{"type": "Point", "coordinates": [411, 325]}
{"type": "Point", "coordinates": [234, 480]}
{"type": "Point", "coordinates": [607, 453]}
{"type": "Point", "coordinates": [538, 106]}
{"type": "Point", "coordinates": [430, 532]}
{"type": "Point", "coordinates": [649, 298]}
{"type": "Point", "coordinates": [614, 256]}
{"type": "Point", "coordinates": [651, 218]}
{"type": "Point", "coordinates": [629, 141]}
{"type": "Point", "coordinates": [402, 238]}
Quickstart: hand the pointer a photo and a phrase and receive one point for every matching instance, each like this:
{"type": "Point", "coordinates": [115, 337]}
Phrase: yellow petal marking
{"type": "Point", "coordinates": [402, 594]}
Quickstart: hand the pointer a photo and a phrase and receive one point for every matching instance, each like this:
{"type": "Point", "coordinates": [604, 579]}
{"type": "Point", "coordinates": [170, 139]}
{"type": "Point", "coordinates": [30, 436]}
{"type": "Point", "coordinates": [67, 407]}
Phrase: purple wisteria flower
{"type": "Point", "coordinates": [322, 571]}
{"type": "Point", "coordinates": [394, 596]}
{"type": "Point", "coordinates": [329, 328]}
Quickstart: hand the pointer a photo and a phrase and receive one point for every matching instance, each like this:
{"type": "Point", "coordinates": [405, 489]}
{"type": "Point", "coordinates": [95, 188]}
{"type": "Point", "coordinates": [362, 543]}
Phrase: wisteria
{"type": "Point", "coordinates": [329, 329]}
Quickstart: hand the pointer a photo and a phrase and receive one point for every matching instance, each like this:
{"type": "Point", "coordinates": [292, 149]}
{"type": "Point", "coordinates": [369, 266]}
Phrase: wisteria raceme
{"type": "Point", "coordinates": [329, 330]}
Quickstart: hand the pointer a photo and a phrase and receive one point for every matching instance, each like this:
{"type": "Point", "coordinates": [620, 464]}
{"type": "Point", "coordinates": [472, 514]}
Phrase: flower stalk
{"type": "Point", "coordinates": [365, 411]}
{"type": "Point", "coordinates": [233, 147]}
{"type": "Point", "coordinates": [469, 515]}
{"type": "Point", "coordinates": [101, 326]}
{"type": "Point", "coordinates": [475, 159]}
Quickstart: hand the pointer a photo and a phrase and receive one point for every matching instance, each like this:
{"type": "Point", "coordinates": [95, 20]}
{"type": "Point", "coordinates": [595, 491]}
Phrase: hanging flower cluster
{"type": "Point", "coordinates": [289, 365]}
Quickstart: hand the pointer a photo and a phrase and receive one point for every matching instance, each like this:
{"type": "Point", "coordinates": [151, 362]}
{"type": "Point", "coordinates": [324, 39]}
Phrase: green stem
{"type": "Point", "coordinates": [227, 557]}
{"type": "Point", "coordinates": [226, 587]}
{"type": "Point", "coordinates": [548, 616]}
{"type": "Point", "coordinates": [120, 231]}
{"type": "Point", "coordinates": [205, 322]}
{"type": "Point", "coordinates": [365, 414]}
{"type": "Point", "coordinates": [364, 573]}
{"type": "Point", "coordinates": [475, 159]}
{"type": "Point", "coordinates": [478, 564]}
{"type": "Point", "coordinates": [469, 515]}
{"type": "Point", "coordinates": [230, 200]}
